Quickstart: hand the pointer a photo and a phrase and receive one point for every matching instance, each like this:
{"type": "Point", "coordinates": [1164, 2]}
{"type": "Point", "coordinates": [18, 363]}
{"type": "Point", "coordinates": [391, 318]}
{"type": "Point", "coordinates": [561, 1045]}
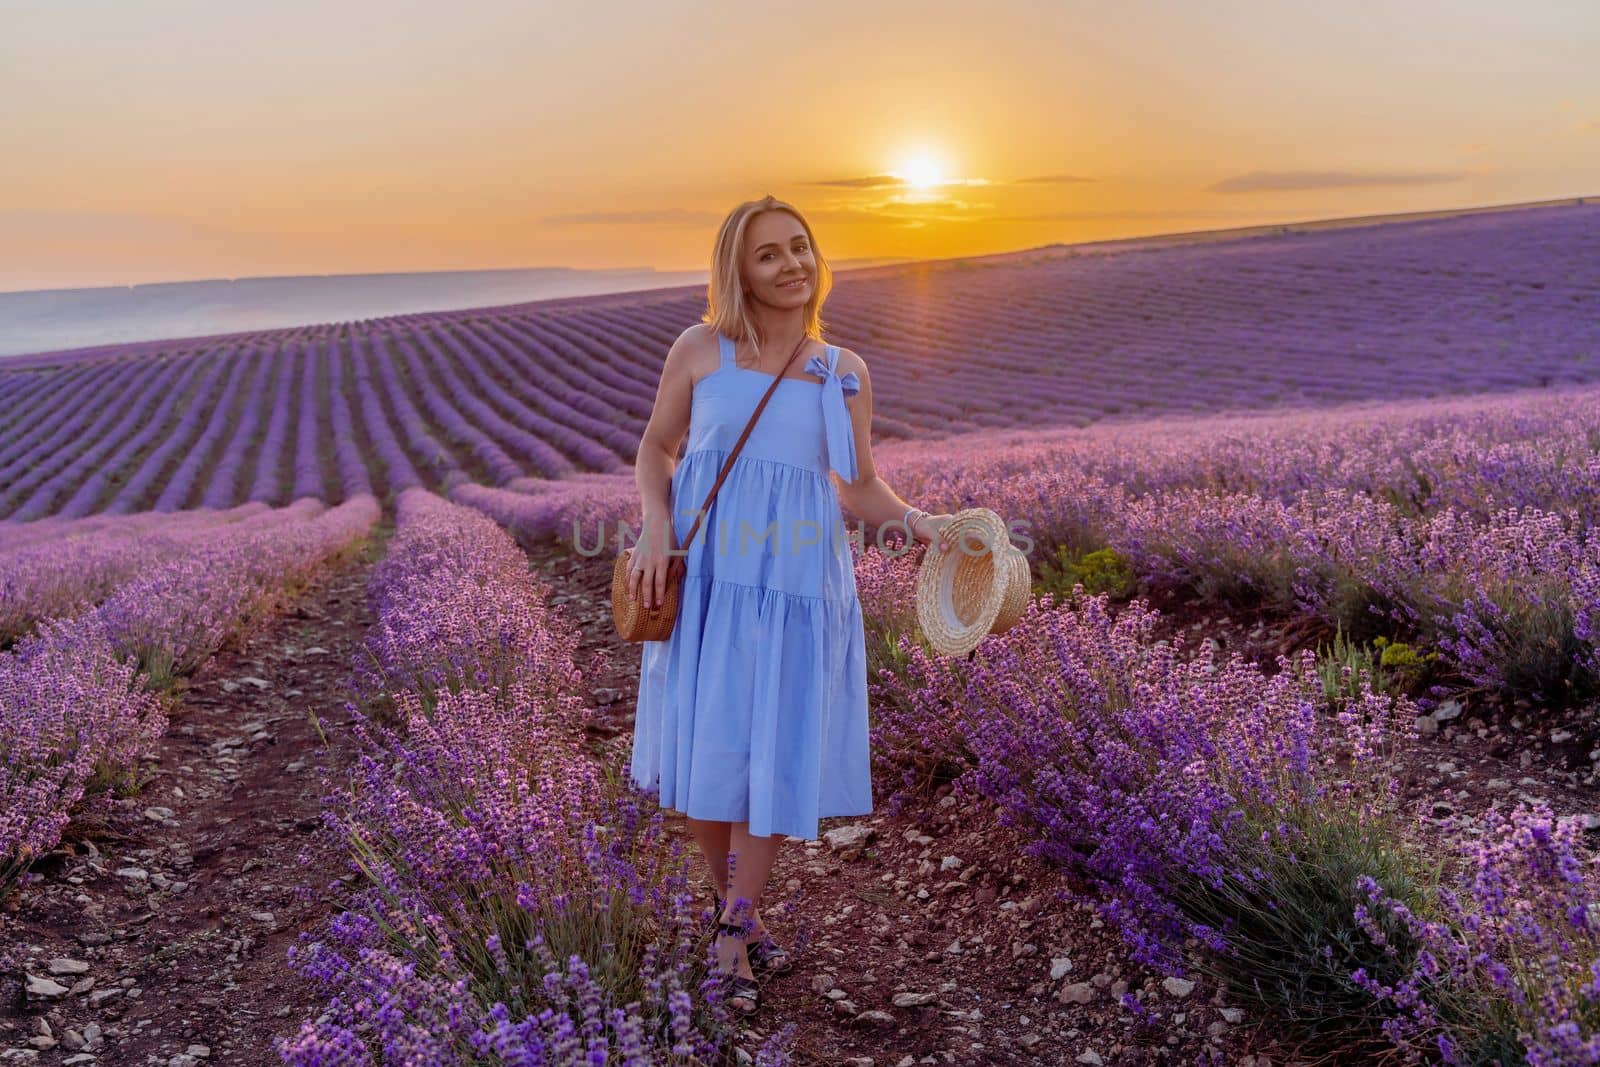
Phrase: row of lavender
{"type": "Point", "coordinates": [58, 568]}
{"type": "Point", "coordinates": [516, 903]}
{"type": "Point", "coordinates": [1470, 528]}
{"type": "Point", "coordinates": [332, 416]}
{"type": "Point", "coordinates": [1258, 816]}
{"type": "Point", "coordinates": [85, 696]}
{"type": "Point", "coordinates": [1472, 304]}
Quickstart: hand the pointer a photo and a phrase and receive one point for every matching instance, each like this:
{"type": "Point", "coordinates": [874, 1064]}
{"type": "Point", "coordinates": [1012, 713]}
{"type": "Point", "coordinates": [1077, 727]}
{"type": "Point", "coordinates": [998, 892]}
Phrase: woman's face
{"type": "Point", "coordinates": [778, 252]}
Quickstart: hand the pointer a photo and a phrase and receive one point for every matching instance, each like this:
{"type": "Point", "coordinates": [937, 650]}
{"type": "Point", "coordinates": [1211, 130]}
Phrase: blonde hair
{"type": "Point", "coordinates": [727, 311]}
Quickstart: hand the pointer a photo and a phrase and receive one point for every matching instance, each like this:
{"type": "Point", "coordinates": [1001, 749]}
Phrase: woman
{"type": "Point", "coordinates": [752, 715]}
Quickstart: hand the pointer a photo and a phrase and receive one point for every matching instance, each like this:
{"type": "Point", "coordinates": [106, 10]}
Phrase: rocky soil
{"type": "Point", "coordinates": [157, 933]}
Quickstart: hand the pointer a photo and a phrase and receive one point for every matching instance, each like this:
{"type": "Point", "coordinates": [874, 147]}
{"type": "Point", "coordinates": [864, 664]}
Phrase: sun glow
{"type": "Point", "coordinates": [921, 173]}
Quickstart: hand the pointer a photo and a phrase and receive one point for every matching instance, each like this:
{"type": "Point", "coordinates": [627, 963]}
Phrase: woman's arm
{"type": "Point", "coordinates": [869, 496]}
{"type": "Point", "coordinates": [669, 421]}
{"type": "Point", "coordinates": [653, 467]}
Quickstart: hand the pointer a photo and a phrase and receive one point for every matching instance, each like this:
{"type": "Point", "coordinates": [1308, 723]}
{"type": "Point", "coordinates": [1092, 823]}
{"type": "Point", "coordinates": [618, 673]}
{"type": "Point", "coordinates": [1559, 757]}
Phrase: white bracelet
{"type": "Point", "coordinates": [910, 522]}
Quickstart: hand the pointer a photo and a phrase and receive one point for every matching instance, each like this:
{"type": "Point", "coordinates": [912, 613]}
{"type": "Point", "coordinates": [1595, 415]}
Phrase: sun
{"type": "Point", "coordinates": [922, 172]}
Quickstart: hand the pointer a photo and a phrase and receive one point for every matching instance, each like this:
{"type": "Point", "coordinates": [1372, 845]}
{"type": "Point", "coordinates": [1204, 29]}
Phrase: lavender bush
{"type": "Point", "coordinates": [458, 609]}
{"type": "Point", "coordinates": [1514, 929]}
{"type": "Point", "coordinates": [64, 575]}
{"type": "Point", "coordinates": [516, 904]}
{"type": "Point", "coordinates": [1198, 799]}
{"type": "Point", "coordinates": [75, 718]}
{"type": "Point", "coordinates": [493, 892]}
{"type": "Point", "coordinates": [1511, 601]}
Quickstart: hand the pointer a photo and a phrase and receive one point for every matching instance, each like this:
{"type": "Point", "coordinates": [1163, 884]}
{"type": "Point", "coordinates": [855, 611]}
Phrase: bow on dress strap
{"type": "Point", "coordinates": [835, 415]}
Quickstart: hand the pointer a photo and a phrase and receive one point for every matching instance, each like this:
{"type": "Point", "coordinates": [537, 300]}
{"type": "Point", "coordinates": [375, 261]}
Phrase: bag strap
{"type": "Point", "coordinates": [728, 464]}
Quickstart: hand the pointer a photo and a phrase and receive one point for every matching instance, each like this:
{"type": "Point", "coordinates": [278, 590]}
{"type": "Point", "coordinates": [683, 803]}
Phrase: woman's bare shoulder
{"type": "Point", "coordinates": [849, 361]}
{"type": "Point", "coordinates": [694, 354]}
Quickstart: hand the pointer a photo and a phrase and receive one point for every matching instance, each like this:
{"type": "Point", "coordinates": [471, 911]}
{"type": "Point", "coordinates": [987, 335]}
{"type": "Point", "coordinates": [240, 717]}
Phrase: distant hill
{"type": "Point", "coordinates": [54, 319]}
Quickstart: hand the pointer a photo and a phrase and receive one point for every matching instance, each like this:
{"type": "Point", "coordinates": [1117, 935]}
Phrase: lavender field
{"type": "Point", "coordinates": [1293, 757]}
{"type": "Point", "coordinates": [1495, 301]}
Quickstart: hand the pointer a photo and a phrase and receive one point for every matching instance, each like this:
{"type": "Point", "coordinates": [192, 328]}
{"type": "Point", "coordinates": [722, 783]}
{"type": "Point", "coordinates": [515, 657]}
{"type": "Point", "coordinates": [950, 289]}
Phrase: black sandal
{"type": "Point", "coordinates": [766, 955]}
{"type": "Point", "coordinates": [740, 987]}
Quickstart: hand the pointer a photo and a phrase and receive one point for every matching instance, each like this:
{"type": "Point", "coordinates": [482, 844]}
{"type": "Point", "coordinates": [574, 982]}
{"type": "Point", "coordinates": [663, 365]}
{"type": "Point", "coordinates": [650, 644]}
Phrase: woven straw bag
{"type": "Point", "coordinates": [637, 622]}
{"type": "Point", "coordinates": [963, 596]}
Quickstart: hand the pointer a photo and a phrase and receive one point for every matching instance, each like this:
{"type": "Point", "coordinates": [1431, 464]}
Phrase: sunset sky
{"type": "Point", "coordinates": [154, 141]}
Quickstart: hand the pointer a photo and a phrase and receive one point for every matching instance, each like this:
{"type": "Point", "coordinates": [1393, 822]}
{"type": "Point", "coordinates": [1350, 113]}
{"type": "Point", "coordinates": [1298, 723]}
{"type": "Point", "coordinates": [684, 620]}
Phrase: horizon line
{"type": "Point", "coordinates": [874, 262]}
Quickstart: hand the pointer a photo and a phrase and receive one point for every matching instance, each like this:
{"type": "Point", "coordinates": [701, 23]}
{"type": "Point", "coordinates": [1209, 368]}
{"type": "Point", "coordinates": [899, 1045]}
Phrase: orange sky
{"type": "Point", "coordinates": [147, 141]}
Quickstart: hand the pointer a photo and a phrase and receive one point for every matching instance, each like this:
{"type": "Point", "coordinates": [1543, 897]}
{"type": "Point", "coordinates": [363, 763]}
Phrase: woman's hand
{"type": "Point", "coordinates": [930, 528]}
{"type": "Point", "coordinates": [649, 564]}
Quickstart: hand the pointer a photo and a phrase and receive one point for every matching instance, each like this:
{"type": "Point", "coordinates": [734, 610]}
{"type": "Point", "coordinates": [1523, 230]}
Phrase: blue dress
{"type": "Point", "coordinates": [755, 707]}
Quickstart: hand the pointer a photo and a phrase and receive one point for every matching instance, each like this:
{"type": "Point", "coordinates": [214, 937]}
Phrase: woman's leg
{"type": "Point", "coordinates": [753, 858]}
{"type": "Point", "coordinates": [714, 839]}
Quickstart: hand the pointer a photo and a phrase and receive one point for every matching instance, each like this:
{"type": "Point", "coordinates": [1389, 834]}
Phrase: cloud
{"type": "Point", "coordinates": [856, 216]}
{"type": "Point", "coordinates": [850, 216]}
{"type": "Point", "coordinates": [1124, 216]}
{"type": "Point", "coordinates": [909, 214]}
{"type": "Point", "coordinates": [1054, 179]}
{"type": "Point", "coordinates": [891, 212]}
{"type": "Point", "coordinates": [871, 181]}
{"type": "Point", "coordinates": [914, 206]}
{"type": "Point", "coordinates": [881, 181]}
{"type": "Point", "coordinates": [914, 214]}
{"type": "Point", "coordinates": [1284, 180]}
{"type": "Point", "coordinates": [670, 216]}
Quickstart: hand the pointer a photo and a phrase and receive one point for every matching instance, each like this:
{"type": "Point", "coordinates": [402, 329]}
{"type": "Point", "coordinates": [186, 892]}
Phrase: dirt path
{"type": "Point", "coordinates": [169, 924]}
{"type": "Point", "coordinates": [927, 940]}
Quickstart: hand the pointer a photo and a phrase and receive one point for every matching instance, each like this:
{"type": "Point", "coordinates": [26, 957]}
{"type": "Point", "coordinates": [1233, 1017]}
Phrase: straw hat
{"type": "Point", "coordinates": [963, 596]}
